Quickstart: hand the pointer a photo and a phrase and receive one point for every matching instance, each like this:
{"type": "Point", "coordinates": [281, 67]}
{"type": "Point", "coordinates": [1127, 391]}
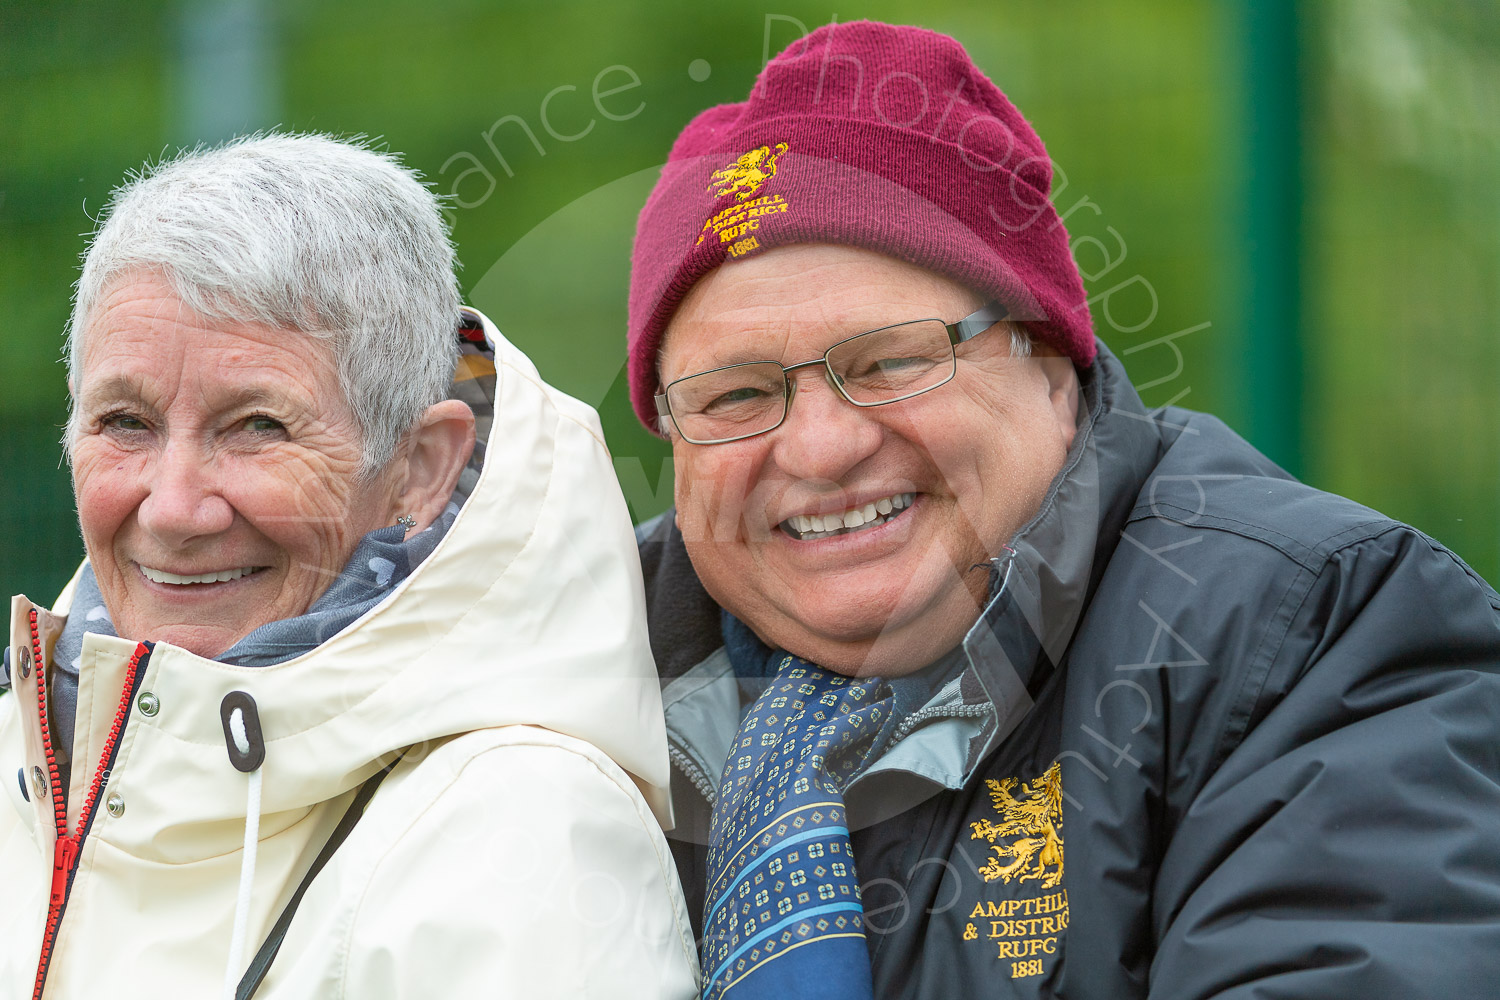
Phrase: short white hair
{"type": "Point", "coordinates": [310, 233]}
{"type": "Point", "coordinates": [1020, 341]}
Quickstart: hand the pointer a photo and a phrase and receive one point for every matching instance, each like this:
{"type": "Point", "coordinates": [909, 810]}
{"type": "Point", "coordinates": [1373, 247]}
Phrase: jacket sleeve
{"type": "Point", "coordinates": [1349, 846]}
{"type": "Point", "coordinates": [539, 872]}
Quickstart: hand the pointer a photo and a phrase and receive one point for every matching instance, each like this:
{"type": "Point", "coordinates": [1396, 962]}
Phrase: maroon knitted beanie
{"type": "Point", "coordinates": [865, 135]}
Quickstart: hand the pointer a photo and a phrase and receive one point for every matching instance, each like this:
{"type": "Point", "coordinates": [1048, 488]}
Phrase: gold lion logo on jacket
{"type": "Point", "coordinates": [744, 176]}
{"type": "Point", "coordinates": [1035, 820]}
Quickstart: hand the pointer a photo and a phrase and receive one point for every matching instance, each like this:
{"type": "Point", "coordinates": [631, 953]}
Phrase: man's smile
{"type": "Point", "coordinates": [811, 527]}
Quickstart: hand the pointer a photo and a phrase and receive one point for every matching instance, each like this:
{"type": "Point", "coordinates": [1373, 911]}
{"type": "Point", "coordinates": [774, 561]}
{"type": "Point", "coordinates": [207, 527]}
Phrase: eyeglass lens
{"type": "Point", "coordinates": [890, 364]}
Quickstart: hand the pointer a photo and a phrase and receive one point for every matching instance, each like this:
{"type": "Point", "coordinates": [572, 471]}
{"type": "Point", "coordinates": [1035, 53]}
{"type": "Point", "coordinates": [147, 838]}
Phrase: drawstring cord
{"type": "Point", "coordinates": [247, 751]}
{"type": "Point", "coordinates": [247, 862]}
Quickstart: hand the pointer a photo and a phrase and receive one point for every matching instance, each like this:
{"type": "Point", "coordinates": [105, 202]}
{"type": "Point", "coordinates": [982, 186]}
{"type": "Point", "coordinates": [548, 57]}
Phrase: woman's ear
{"type": "Point", "coordinates": [435, 453]}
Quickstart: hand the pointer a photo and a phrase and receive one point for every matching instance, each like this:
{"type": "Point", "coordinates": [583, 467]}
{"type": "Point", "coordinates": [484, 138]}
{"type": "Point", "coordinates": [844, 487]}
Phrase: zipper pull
{"type": "Point", "coordinates": [64, 856]}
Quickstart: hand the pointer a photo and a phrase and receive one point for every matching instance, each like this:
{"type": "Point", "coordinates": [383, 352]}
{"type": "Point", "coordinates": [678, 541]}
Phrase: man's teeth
{"type": "Point", "coordinates": [222, 576]}
{"type": "Point", "coordinates": [807, 527]}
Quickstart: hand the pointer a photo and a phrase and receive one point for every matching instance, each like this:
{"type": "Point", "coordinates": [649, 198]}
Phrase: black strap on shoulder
{"type": "Point", "coordinates": [261, 964]}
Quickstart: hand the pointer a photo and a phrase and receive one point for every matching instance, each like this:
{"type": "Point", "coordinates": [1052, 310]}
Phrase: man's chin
{"type": "Point", "coordinates": [889, 641]}
{"type": "Point", "coordinates": [892, 618]}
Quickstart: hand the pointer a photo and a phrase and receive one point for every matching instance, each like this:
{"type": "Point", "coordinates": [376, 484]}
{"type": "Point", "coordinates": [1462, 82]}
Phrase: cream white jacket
{"type": "Point", "coordinates": [515, 849]}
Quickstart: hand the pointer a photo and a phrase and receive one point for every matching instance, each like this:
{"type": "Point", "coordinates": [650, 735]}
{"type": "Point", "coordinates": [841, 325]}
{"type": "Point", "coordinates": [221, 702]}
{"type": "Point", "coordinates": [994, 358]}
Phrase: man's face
{"type": "Point", "coordinates": [972, 459]}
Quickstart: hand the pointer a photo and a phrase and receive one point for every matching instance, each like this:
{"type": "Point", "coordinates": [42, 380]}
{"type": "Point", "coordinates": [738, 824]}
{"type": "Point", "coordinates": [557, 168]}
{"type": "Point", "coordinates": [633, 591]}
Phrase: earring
{"type": "Point", "coordinates": [407, 521]}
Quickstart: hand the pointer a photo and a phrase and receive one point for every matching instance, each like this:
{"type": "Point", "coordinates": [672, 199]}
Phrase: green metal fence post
{"type": "Point", "coordinates": [1268, 361]}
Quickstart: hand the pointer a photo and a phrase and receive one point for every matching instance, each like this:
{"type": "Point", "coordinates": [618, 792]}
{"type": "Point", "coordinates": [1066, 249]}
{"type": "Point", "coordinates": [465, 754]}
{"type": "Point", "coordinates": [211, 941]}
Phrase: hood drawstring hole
{"type": "Point", "coordinates": [242, 735]}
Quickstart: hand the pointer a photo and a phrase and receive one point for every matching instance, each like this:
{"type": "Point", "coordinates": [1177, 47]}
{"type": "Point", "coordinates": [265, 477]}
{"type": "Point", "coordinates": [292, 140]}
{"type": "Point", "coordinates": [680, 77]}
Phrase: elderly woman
{"type": "Point", "coordinates": [306, 582]}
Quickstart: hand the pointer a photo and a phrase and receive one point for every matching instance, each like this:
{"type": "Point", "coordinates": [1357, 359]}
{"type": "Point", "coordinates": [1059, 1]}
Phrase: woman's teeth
{"type": "Point", "coordinates": [222, 576]}
{"type": "Point", "coordinates": [809, 527]}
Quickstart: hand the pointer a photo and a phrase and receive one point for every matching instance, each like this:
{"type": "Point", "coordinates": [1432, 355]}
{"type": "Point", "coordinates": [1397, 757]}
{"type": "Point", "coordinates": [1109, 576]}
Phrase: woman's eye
{"type": "Point", "coordinates": [262, 424]}
{"type": "Point", "coordinates": [124, 422]}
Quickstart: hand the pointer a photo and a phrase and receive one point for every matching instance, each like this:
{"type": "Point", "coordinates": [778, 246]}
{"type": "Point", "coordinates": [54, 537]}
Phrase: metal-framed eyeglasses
{"type": "Point", "coordinates": [879, 366]}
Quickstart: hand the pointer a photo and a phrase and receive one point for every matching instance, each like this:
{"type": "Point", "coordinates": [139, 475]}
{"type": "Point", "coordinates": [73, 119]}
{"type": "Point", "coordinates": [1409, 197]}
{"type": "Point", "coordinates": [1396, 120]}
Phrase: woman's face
{"type": "Point", "coordinates": [214, 468]}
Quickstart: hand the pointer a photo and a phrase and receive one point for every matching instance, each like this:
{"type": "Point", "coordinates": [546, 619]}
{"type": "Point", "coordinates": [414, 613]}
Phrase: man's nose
{"type": "Point", "coordinates": [184, 501]}
{"type": "Point", "coordinates": [824, 435]}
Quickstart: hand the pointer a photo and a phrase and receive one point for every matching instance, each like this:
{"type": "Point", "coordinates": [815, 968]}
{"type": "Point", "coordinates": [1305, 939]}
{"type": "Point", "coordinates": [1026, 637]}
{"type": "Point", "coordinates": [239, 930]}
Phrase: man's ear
{"type": "Point", "coordinates": [435, 453]}
{"type": "Point", "coordinates": [1062, 389]}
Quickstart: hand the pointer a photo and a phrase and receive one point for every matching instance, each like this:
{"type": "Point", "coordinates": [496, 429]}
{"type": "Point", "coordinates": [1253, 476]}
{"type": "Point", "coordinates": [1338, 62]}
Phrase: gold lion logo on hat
{"type": "Point", "coordinates": [745, 175]}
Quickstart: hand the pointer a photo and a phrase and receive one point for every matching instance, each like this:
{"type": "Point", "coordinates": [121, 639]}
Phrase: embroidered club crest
{"type": "Point", "coordinates": [744, 176]}
{"type": "Point", "coordinates": [1034, 821]}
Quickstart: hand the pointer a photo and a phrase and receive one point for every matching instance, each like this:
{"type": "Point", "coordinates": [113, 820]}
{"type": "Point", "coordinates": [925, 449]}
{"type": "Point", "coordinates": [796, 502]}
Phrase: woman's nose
{"type": "Point", "coordinates": [184, 502]}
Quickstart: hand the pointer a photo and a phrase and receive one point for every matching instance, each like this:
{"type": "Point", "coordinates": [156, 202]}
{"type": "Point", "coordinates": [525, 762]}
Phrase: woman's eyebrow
{"type": "Point", "coordinates": [128, 389]}
{"type": "Point", "coordinates": [251, 396]}
{"type": "Point", "coordinates": [117, 388]}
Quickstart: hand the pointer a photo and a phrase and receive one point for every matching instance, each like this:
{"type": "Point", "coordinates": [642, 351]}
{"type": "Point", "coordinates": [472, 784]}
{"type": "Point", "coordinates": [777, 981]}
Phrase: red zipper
{"type": "Point", "coordinates": [65, 850]}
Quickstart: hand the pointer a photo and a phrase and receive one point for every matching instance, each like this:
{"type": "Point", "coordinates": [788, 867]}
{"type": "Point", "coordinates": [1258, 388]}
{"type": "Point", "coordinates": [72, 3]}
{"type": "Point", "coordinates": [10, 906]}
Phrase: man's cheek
{"type": "Point", "coordinates": [712, 507]}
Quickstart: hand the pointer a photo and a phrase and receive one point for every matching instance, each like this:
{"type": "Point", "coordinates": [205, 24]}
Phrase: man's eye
{"type": "Point", "coordinates": [744, 394]}
{"type": "Point", "coordinates": [902, 364]}
{"type": "Point", "coordinates": [881, 369]}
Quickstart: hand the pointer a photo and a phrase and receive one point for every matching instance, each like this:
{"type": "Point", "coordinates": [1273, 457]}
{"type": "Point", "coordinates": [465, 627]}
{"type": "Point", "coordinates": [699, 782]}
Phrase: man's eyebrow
{"type": "Point", "coordinates": [730, 351]}
{"type": "Point", "coordinates": [733, 356]}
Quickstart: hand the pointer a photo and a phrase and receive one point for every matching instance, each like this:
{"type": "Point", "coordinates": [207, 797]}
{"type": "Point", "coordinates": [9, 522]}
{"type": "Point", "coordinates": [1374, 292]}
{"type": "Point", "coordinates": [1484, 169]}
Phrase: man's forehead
{"type": "Point", "coordinates": [795, 302]}
{"type": "Point", "coordinates": [805, 269]}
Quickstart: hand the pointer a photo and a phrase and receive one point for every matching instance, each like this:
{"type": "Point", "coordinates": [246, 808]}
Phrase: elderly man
{"type": "Point", "coordinates": [981, 680]}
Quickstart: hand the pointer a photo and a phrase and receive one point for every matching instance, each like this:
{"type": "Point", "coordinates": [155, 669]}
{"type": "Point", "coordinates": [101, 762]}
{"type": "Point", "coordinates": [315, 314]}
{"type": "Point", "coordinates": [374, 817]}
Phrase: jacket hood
{"type": "Point", "coordinates": [529, 612]}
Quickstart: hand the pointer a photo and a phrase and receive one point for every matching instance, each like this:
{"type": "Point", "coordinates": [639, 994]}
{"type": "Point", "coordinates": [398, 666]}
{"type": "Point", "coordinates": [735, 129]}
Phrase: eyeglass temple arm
{"type": "Point", "coordinates": [664, 419]}
{"type": "Point", "coordinates": [977, 322]}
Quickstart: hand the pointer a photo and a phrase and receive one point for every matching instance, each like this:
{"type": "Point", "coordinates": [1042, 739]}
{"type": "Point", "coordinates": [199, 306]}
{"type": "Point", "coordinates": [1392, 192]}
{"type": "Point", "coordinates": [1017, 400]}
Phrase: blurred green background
{"type": "Point", "coordinates": [1303, 200]}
